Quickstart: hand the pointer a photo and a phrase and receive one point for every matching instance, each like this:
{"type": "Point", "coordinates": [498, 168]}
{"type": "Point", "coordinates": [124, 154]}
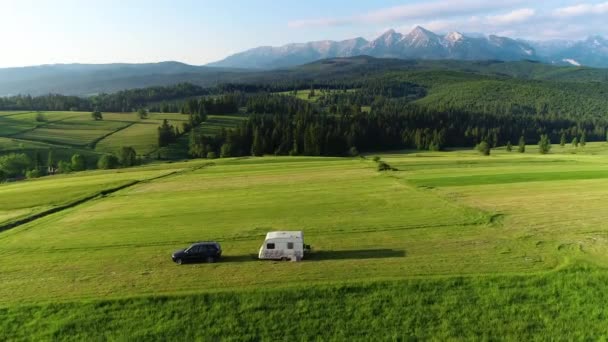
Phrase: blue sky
{"type": "Point", "coordinates": [198, 32]}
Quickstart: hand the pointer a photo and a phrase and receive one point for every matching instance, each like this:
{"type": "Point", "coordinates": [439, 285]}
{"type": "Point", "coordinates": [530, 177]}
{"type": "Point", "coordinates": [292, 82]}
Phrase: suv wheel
{"type": "Point", "coordinates": [179, 261]}
{"type": "Point", "coordinates": [210, 260]}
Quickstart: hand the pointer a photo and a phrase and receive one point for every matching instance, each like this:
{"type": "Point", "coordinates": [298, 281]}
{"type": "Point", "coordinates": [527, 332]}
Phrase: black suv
{"type": "Point", "coordinates": [200, 251]}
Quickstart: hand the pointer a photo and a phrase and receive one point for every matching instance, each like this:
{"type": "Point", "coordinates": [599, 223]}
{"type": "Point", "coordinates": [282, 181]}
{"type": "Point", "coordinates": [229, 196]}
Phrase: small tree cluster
{"type": "Point", "coordinates": [167, 134]}
{"type": "Point", "coordinates": [382, 165]}
{"type": "Point", "coordinates": [127, 156]}
{"type": "Point", "coordinates": [142, 113]}
{"type": "Point", "coordinates": [14, 165]}
{"type": "Point", "coordinates": [40, 117]}
{"type": "Point", "coordinates": [96, 115]}
{"type": "Point", "coordinates": [107, 162]}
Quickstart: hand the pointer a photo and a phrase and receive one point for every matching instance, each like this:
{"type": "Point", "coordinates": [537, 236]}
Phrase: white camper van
{"type": "Point", "coordinates": [283, 246]}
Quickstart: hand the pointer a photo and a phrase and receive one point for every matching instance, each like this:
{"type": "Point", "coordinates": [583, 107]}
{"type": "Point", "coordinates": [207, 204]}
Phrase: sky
{"type": "Point", "coordinates": [197, 32]}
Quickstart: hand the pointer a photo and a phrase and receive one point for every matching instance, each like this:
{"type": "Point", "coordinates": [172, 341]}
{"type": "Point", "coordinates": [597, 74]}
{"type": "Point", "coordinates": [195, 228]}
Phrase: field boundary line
{"type": "Point", "coordinates": [100, 194]}
{"type": "Point", "coordinates": [42, 125]}
{"type": "Point", "coordinates": [57, 209]}
{"type": "Point", "coordinates": [93, 144]}
{"type": "Point", "coordinates": [8, 115]}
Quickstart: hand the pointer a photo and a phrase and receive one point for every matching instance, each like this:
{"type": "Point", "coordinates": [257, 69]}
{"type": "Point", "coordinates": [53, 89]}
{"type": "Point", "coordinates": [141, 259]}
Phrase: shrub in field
{"type": "Point", "coordinates": [483, 148]}
{"type": "Point", "coordinates": [226, 150]}
{"type": "Point", "coordinates": [562, 140]}
{"type": "Point", "coordinates": [376, 158]}
{"type": "Point", "coordinates": [107, 162]}
{"type": "Point", "coordinates": [583, 140]}
{"type": "Point", "coordinates": [96, 115]}
{"type": "Point", "coordinates": [211, 155]}
{"type": "Point", "coordinates": [382, 166]}
{"type": "Point", "coordinates": [64, 167]}
{"type": "Point", "coordinates": [575, 142]}
{"type": "Point", "coordinates": [35, 173]}
{"type": "Point", "coordinates": [353, 152]}
{"type": "Point", "coordinates": [79, 163]}
{"type": "Point", "coordinates": [142, 113]}
{"type": "Point", "coordinates": [544, 145]}
{"type": "Point", "coordinates": [127, 156]}
{"type": "Point", "coordinates": [14, 165]}
{"type": "Point", "coordinates": [509, 146]}
{"type": "Point", "coordinates": [521, 148]}
{"type": "Point", "coordinates": [40, 117]}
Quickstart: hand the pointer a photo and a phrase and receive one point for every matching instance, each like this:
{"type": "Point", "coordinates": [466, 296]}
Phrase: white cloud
{"type": "Point", "coordinates": [498, 23]}
{"type": "Point", "coordinates": [516, 16]}
{"type": "Point", "coordinates": [420, 10]}
{"type": "Point", "coordinates": [581, 9]}
{"type": "Point", "coordinates": [533, 21]}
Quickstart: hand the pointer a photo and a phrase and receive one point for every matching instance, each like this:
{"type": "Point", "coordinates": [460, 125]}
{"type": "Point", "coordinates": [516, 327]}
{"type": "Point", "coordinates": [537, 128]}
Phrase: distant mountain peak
{"type": "Point", "coordinates": [454, 36]}
{"type": "Point", "coordinates": [420, 29]}
{"type": "Point", "coordinates": [421, 43]}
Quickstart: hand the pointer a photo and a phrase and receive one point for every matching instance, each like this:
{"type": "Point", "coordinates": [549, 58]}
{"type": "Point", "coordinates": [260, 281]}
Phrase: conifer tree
{"type": "Point", "coordinates": [544, 145]}
{"type": "Point", "coordinates": [521, 148]}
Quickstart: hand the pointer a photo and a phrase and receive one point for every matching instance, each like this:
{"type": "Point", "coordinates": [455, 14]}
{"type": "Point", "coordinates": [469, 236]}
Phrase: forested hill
{"type": "Point", "coordinates": [86, 80]}
{"type": "Point", "coordinates": [483, 87]}
{"type": "Point", "coordinates": [339, 106]}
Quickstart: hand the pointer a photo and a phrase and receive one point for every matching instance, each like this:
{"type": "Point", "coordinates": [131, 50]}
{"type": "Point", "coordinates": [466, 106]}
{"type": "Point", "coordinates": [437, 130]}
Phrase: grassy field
{"type": "Point", "coordinates": [305, 94]}
{"type": "Point", "coordinates": [67, 133]}
{"type": "Point", "coordinates": [453, 245]}
{"type": "Point", "coordinates": [21, 199]}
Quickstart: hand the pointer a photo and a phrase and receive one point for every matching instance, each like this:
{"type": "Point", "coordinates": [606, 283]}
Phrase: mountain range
{"type": "Point", "coordinates": [421, 43]}
{"type": "Point", "coordinates": [89, 79]}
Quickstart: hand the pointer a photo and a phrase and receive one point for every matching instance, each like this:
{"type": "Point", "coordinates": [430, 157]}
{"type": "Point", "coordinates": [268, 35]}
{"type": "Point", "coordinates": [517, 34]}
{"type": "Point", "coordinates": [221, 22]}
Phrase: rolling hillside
{"type": "Point", "coordinates": [480, 243]}
{"type": "Point", "coordinates": [85, 80]}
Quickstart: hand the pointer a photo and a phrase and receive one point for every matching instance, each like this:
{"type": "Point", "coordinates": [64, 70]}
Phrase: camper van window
{"type": "Point", "coordinates": [290, 245]}
{"type": "Point", "coordinates": [270, 246]}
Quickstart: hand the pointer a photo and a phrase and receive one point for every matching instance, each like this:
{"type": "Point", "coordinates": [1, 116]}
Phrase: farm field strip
{"type": "Point", "coordinates": [76, 129]}
{"type": "Point", "coordinates": [74, 133]}
{"type": "Point", "coordinates": [512, 307]}
{"type": "Point", "coordinates": [22, 199]}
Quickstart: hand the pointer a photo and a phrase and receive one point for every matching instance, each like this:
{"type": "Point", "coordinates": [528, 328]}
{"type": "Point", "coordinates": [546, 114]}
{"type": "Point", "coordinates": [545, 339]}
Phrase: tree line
{"type": "Point", "coordinates": [15, 166]}
{"type": "Point", "coordinates": [285, 125]}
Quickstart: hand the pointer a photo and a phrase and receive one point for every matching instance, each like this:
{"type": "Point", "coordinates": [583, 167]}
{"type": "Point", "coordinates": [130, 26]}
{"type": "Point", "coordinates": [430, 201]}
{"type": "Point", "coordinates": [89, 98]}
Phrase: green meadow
{"type": "Point", "coordinates": [450, 245]}
{"type": "Point", "coordinates": [67, 133]}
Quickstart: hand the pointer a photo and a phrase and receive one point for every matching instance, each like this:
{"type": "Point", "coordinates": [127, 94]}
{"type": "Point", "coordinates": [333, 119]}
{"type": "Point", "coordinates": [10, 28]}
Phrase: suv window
{"type": "Point", "coordinates": [270, 246]}
{"type": "Point", "coordinates": [290, 245]}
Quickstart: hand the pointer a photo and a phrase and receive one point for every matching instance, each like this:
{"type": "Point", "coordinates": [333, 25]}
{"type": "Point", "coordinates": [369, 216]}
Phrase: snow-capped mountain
{"type": "Point", "coordinates": [424, 44]}
{"type": "Point", "coordinates": [590, 52]}
{"type": "Point", "coordinates": [417, 44]}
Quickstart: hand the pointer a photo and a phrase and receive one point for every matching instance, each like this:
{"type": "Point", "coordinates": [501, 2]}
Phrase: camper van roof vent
{"type": "Point", "coordinates": [285, 235]}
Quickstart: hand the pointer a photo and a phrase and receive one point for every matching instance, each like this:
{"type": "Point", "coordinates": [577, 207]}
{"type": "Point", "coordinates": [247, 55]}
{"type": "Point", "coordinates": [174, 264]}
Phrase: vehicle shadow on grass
{"type": "Point", "coordinates": [359, 254]}
{"type": "Point", "coordinates": [239, 258]}
{"type": "Point", "coordinates": [356, 254]}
